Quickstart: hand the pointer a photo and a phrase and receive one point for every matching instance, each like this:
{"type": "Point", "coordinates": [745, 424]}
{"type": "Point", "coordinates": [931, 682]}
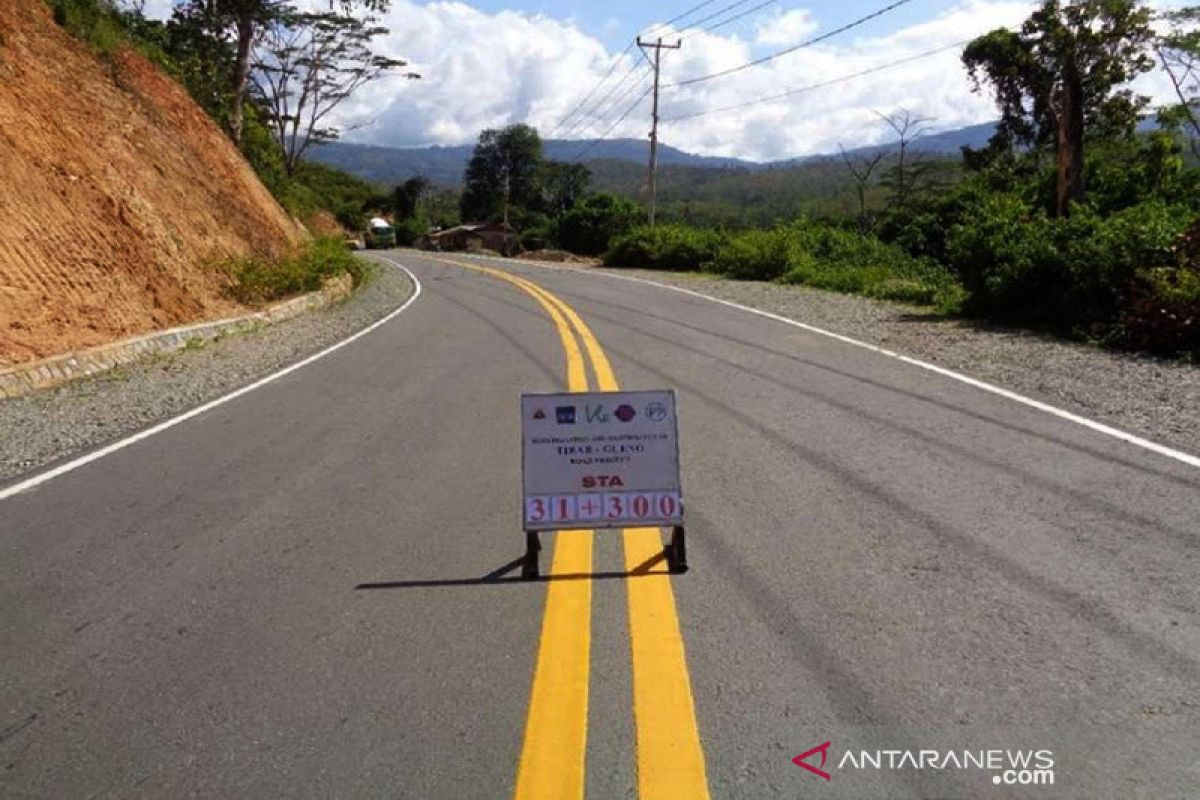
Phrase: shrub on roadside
{"type": "Point", "coordinates": [595, 221]}
{"type": "Point", "coordinates": [670, 247]}
{"type": "Point", "coordinates": [753, 255]}
{"type": "Point", "coordinates": [838, 259]}
{"type": "Point", "coordinates": [411, 229]}
{"type": "Point", "coordinates": [254, 281]}
{"type": "Point", "coordinates": [1075, 273]}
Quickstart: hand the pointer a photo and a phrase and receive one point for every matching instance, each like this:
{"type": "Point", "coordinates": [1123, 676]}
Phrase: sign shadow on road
{"type": "Point", "coordinates": [503, 575]}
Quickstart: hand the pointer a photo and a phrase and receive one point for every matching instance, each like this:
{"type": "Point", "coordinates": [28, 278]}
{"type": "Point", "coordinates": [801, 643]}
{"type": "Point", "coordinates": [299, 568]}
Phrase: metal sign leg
{"type": "Point", "coordinates": [677, 550]}
{"type": "Point", "coordinates": [533, 545]}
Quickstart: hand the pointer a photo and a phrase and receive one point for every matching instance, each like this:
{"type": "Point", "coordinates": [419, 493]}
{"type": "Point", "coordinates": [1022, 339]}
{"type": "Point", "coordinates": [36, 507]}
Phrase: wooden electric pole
{"type": "Point", "coordinates": [657, 64]}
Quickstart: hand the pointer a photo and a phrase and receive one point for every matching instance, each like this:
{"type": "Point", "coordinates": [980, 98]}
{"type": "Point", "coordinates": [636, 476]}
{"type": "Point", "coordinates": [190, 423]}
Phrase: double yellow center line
{"type": "Point", "coordinates": [670, 760]}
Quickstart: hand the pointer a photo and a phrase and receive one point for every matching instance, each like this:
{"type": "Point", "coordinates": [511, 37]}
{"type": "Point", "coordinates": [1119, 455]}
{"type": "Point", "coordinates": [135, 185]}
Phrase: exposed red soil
{"type": "Point", "coordinates": [117, 196]}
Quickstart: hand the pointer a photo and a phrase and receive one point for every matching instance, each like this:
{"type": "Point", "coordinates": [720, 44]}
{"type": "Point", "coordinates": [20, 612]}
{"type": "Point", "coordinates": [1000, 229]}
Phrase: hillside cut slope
{"type": "Point", "coordinates": [117, 194]}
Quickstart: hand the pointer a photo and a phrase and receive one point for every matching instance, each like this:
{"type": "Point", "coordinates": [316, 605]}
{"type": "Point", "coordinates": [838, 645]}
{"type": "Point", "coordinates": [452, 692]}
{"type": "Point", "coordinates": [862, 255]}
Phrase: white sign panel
{"type": "Point", "coordinates": [600, 460]}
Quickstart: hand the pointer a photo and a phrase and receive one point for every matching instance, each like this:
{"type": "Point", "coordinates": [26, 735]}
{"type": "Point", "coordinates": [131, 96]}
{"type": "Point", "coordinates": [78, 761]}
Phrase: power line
{"type": "Point", "coordinates": [612, 68]}
{"type": "Point", "coordinates": [595, 88]}
{"type": "Point", "coordinates": [729, 21]}
{"type": "Point", "coordinates": [610, 128]}
{"type": "Point", "coordinates": [821, 85]}
{"type": "Point", "coordinates": [603, 106]}
{"type": "Point", "coordinates": [653, 29]}
{"type": "Point", "coordinates": [792, 49]}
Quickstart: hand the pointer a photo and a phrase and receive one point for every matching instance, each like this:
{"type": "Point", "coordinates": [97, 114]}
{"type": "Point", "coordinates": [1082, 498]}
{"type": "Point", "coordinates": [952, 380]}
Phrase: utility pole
{"type": "Point", "coordinates": [507, 192]}
{"type": "Point", "coordinates": [657, 64]}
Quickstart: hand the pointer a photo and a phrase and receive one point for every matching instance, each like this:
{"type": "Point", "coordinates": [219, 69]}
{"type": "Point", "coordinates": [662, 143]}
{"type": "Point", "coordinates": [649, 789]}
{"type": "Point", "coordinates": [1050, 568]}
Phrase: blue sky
{"type": "Point", "coordinates": [617, 21]}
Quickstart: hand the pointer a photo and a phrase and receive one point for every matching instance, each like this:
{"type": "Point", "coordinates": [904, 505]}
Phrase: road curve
{"type": "Point", "coordinates": [310, 590]}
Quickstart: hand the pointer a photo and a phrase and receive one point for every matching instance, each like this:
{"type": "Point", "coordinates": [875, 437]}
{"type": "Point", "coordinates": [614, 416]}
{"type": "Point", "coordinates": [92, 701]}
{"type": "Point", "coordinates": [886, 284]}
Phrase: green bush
{"type": "Point", "coordinates": [829, 257]}
{"type": "Point", "coordinates": [1164, 318]}
{"type": "Point", "coordinates": [589, 227]}
{"type": "Point", "coordinates": [753, 255]}
{"type": "Point", "coordinates": [97, 23]}
{"type": "Point", "coordinates": [411, 229]}
{"type": "Point", "coordinates": [254, 281]}
{"type": "Point", "coordinates": [1073, 273]}
{"type": "Point", "coordinates": [670, 247]}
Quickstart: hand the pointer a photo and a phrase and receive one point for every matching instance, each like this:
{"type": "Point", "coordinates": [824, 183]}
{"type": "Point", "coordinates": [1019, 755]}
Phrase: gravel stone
{"type": "Point", "coordinates": [1156, 398]}
{"type": "Point", "coordinates": [46, 426]}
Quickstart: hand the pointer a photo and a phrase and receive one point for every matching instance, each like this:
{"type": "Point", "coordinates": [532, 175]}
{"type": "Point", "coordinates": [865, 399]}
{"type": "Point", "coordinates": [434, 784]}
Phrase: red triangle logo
{"type": "Point", "coordinates": [539, 414]}
{"type": "Point", "coordinates": [823, 749]}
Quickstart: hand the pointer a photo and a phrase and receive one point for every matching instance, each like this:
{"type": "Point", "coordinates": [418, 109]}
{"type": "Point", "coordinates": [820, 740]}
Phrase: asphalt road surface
{"type": "Point", "coordinates": [314, 589]}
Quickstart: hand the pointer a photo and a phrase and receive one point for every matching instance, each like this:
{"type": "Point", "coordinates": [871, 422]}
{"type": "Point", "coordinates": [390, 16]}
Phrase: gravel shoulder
{"type": "Point", "coordinates": [1154, 398]}
{"type": "Point", "coordinates": [47, 426]}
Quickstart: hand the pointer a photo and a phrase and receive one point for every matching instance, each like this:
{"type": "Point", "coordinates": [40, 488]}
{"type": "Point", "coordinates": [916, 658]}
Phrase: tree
{"type": "Point", "coordinates": [305, 66]}
{"type": "Point", "coordinates": [1057, 77]}
{"type": "Point", "coordinates": [911, 170]}
{"type": "Point", "coordinates": [561, 186]}
{"type": "Point", "coordinates": [595, 221]}
{"type": "Point", "coordinates": [406, 197]}
{"type": "Point", "coordinates": [502, 174]}
{"type": "Point", "coordinates": [1179, 53]}
{"type": "Point", "coordinates": [861, 167]}
{"type": "Point", "coordinates": [202, 51]}
{"type": "Point", "coordinates": [241, 22]}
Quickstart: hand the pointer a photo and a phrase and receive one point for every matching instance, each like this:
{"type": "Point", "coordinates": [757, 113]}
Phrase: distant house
{"type": "Point", "coordinates": [495, 236]}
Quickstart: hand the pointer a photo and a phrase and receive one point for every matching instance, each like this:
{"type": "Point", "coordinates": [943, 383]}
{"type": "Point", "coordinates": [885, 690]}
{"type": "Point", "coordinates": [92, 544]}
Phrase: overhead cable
{"type": "Point", "coordinates": [730, 20]}
{"type": "Point", "coordinates": [610, 128]}
{"type": "Point", "coordinates": [595, 88]}
{"type": "Point", "coordinates": [808, 43]}
{"type": "Point", "coordinates": [821, 85]}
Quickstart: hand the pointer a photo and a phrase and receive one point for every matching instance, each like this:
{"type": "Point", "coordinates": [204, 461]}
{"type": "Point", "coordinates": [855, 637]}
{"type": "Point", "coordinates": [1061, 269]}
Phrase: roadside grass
{"type": "Point", "coordinates": [254, 281]}
{"type": "Point", "coordinates": [803, 252]}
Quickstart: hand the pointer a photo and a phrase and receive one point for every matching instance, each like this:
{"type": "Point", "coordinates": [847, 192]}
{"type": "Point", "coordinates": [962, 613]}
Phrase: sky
{"type": "Point", "coordinates": [489, 63]}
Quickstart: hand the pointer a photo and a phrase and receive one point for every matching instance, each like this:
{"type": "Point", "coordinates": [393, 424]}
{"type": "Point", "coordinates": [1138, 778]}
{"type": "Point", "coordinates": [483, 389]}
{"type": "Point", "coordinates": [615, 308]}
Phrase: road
{"type": "Point", "coordinates": [312, 590]}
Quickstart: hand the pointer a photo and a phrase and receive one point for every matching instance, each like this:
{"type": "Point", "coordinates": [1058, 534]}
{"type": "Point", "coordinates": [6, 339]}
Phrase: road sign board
{"type": "Point", "coordinates": [600, 460]}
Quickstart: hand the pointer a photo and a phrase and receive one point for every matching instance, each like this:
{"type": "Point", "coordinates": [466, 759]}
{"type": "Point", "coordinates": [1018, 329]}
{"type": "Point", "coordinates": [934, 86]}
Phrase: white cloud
{"type": "Point", "coordinates": [478, 70]}
{"type": "Point", "coordinates": [490, 69]}
{"type": "Point", "coordinates": [787, 28]}
{"type": "Point", "coordinates": [485, 70]}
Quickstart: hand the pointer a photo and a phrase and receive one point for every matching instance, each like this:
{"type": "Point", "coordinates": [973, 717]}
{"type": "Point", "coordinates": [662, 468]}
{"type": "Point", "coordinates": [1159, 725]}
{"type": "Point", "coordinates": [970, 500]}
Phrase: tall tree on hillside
{"type": "Point", "coordinates": [307, 65]}
{"type": "Point", "coordinates": [1056, 78]}
{"type": "Point", "coordinates": [911, 170]}
{"type": "Point", "coordinates": [862, 165]}
{"type": "Point", "coordinates": [243, 21]}
{"type": "Point", "coordinates": [1179, 53]}
{"type": "Point", "coordinates": [502, 173]}
{"type": "Point", "coordinates": [202, 50]}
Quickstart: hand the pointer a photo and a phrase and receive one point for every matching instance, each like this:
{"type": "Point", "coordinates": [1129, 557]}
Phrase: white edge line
{"type": "Point", "coordinates": [1099, 427]}
{"type": "Point", "coordinates": [121, 444]}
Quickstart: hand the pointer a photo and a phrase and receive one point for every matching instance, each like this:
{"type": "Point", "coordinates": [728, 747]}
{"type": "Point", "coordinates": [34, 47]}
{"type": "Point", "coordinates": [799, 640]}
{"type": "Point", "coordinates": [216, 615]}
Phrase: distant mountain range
{"type": "Point", "coordinates": [445, 165]}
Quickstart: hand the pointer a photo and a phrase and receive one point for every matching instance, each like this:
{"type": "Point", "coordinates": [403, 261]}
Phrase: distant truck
{"type": "Point", "coordinates": [380, 234]}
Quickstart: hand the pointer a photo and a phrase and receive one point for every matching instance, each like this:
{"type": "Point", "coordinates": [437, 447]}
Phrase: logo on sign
{"type": "Point", "coordinates": [565, 415]}
{"type": "Point", "coordinates": [595, 414]}
{"type": "Point", "coordinates": [656, 412]}
{"type": "Point", "coordinates": [539, 414]}
{"type": "Point", "coordinates": [625, 413]}
{"type": "Point", "coordinates": [802, 760]}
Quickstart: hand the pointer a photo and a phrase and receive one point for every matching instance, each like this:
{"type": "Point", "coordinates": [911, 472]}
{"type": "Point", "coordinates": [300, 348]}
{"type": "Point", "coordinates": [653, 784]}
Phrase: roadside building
{"type": "Point", "coordinates": [495, 236]}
